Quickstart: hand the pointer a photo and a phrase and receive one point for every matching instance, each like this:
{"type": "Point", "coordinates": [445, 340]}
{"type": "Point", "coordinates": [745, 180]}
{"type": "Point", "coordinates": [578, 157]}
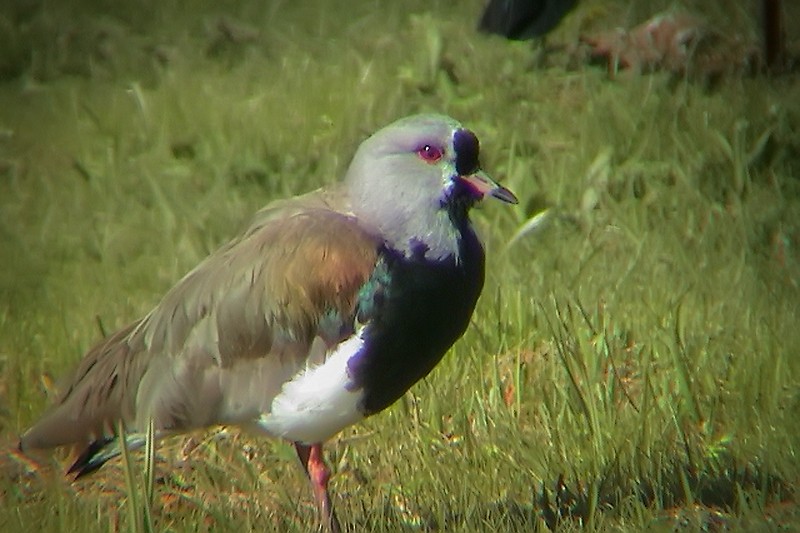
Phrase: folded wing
{"type": "Point", "coordinates": [224, 339]}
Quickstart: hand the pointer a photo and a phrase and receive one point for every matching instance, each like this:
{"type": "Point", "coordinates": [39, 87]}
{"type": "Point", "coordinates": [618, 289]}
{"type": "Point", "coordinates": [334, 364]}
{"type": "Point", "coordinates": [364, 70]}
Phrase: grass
{"type": "Point", "coordinates": [632, 364]}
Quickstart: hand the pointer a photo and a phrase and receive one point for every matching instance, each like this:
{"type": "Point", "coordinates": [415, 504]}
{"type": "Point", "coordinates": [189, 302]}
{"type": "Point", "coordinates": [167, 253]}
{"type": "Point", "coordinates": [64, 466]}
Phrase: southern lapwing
{"type": "Point", "coordinates": [325, 311]}
{"type": "Point", "coordinates": [520, 20]}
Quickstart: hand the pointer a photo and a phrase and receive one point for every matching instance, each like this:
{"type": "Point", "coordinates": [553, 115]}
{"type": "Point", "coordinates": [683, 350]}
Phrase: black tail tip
{"type": "Point", "coordinates": [85, 463]}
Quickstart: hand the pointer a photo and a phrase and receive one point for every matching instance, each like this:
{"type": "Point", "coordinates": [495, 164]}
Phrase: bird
{"type": "Point", "coordinates": [324, 311]}
{"type": "Point", "coordinates": [521, 20]}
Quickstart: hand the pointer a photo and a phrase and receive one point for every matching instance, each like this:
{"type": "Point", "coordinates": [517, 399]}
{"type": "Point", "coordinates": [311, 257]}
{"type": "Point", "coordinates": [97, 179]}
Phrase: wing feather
{"type": "Point", "coordinates": [227, 336]}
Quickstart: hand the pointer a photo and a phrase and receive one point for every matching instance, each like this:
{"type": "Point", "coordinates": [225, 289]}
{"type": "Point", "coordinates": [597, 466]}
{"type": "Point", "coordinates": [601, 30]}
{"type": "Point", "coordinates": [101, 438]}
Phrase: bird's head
{"type": "Point", "coordinates": [415, 180]}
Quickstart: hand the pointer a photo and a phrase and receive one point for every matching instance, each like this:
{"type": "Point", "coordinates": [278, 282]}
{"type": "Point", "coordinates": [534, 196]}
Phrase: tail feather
{"type": "Point", "coordinates": [103, 450]}
{"type": "Point", "coordinates": [96, 397]}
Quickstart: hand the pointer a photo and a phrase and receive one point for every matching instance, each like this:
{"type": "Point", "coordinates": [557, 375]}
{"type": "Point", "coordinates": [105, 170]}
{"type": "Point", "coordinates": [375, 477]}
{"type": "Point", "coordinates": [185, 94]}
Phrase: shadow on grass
{"type": "Point", "coordinates": [709, 500]}
{"type": "Point", "coordinates": [680, 487]}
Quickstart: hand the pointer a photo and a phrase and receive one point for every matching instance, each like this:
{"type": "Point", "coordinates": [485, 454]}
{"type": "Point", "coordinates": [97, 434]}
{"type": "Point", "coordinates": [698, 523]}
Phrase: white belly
{"type": "Point", "coordinates": [319, 401]}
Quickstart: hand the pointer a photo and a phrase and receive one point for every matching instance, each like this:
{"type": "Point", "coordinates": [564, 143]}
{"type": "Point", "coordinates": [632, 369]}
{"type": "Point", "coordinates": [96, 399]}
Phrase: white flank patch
{"type": "Point", "coordinates": [316, 404]}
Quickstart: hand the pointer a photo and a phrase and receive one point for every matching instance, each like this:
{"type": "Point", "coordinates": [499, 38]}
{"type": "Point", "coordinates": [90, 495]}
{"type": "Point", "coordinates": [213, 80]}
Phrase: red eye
{"type": "Point", "coordinates": [430, 154]}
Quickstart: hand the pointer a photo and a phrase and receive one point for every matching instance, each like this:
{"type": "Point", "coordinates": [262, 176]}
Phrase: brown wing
{"type": "Point", "coordinates": [225, 338]}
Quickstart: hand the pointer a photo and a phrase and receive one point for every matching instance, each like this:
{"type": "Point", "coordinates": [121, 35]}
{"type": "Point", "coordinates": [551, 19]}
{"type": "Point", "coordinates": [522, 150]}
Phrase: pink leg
{"type": "Point", "coordinates": [314, 464]}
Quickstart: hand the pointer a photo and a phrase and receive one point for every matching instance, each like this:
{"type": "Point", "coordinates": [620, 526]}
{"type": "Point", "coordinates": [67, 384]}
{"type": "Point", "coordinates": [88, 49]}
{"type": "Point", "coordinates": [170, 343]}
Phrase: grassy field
{"type": "Point", "coordinates": [634, 361]}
